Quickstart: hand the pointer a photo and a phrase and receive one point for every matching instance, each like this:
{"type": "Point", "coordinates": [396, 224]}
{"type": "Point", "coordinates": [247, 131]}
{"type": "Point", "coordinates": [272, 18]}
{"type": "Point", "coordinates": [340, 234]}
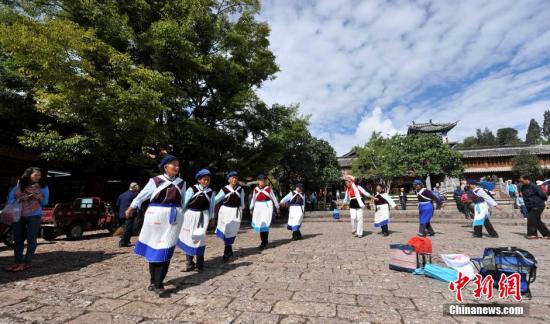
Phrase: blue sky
{"type": "Point", "coordinates": [357, 66]}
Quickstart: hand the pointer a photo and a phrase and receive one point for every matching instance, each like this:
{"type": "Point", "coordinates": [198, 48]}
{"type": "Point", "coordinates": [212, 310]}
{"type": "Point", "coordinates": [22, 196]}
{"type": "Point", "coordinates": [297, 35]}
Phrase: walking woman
{"type": "Point", "coordinates": [199, 204]}
{"type": "Point", "coordinates": [261, 205]}
{"type": "Point", "coordinates": [162, 221]}
{"type": "Point", "coordinates": [32, 194]}
{"type": "Point", "coordinates": [426, 200]}
{"type": "Point", "coordinates": [383, 203]}
{"type": "Point", "coordinates": [356, 204]}
{"type": "Point", "coordinates": [230, 214]}
{"type": "Point", "coordinates": [297, 204]}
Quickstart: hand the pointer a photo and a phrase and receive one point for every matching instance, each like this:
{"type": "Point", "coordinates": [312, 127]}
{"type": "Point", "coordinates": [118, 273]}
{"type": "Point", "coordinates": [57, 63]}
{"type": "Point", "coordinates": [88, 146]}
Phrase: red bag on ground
{"type": "Point", "coordinates": [421, 244]}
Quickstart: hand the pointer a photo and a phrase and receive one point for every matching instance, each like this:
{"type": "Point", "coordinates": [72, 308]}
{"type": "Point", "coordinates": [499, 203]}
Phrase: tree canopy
{"type": "Point", "coordinates": [534, 133]}
{"type": "Point", "coordinates": [113, 82]}
{"type": "Point", "coordinates": [526, 163]}
{"type": "Point", "coordinates": [383, 159]}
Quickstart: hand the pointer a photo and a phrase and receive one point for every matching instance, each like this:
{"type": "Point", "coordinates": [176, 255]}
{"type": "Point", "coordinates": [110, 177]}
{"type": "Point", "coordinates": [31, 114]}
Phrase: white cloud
{"type": "Point", "coordinates": [482, 62]}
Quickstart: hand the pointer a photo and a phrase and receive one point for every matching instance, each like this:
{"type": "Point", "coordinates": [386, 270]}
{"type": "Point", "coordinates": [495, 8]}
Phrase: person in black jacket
{"type": "Point", "coordinates": [535, 202]}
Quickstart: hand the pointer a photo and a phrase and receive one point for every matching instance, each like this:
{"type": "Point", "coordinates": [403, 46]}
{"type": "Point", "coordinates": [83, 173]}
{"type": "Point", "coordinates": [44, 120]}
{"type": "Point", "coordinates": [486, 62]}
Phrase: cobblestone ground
{"type": "Point", "coordinates": [329, 277]}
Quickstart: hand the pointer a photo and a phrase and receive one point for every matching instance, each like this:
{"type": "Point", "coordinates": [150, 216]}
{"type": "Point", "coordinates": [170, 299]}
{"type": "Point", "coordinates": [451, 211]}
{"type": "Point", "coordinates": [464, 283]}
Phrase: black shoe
{"type": "Point", "coordinates": [189, 267]}
{"type": "Point", "coordinates": [159, 291]}
{"type": "Point", "coordinates": [477, 236]}
{"type": "Point", "coordinates": [151, 287]}
{"type": "Point", "coordinates": [121, 244]}
{"type": "Point", "coordinates": [200, 269]}
{"type": "Point", "coordinates": [431, 234]}
{"type": "Point", "coordinates": [494, 236]}
{"type": "Point", "coordinates": [262, 246]}
{"type": "Point", "coordinates": [386, 234]}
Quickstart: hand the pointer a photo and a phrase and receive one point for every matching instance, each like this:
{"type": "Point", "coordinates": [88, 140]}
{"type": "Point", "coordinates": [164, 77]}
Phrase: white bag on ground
{"type": "Point", "coordinates": [461, 263]}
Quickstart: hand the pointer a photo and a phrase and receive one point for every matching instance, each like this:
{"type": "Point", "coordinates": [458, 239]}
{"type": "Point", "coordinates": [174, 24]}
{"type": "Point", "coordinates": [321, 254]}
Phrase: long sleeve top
{"type": "Point", "coordinates": [294, 197]}
{"type": "Point", "coordinates": [189, 195]}
{"type": "Point", "coordinates": [259, 195]}
{"type": "Point", "coordinates": [222, 195]}
{"type": "Point", "coordinates": [362, 192]}
{"type": "Point", "coordinates": [533, 196]}
{"type": "Point", "coordinates": [12, 198]}
{"type": "Point", "coordinates": [147, 192]}
{"type": "Point", "coordinates": [485, 196]}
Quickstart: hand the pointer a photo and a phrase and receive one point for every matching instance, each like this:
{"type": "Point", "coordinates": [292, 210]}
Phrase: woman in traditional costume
{"type": "Point", "coordinates": [297, 204]}
{"type": "Point", "coordinates": [230, 213]}
{"type": "Point", "coordinates": [356, 205]}
{"type": "Point", "coordinates": [426, 200]}
{"type": "Point", "coordinates": [199, 204]}
{"type": "Point", "coordinates": [162, 221]}
{"type": "Point", "coordinates": [383, 203]}
{"type": "Point", "coordinates": [482, 209]}
{"type": "Point", "coordinates": [263, 200]}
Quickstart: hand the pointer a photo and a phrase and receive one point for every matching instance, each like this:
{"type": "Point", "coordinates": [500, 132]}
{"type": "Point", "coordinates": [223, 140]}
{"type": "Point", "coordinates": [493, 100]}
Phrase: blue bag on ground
{"type": "Point", "coordinates": [508, 260]}
{"type": "Point", "coordinates": [440, 273]}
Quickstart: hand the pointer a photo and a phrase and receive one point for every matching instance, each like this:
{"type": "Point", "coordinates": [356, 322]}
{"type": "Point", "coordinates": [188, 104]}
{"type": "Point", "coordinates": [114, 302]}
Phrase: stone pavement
{"type": "Point", "coordinates": [329, 277]}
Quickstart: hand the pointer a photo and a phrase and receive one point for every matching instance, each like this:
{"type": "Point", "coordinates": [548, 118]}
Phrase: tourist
{"type": "Point", "coordinates": [383, 202]}
{"type": "Point", "coordinates": [230, 213]}
{"type": "Point", "coordinates": [296, 202]}
{"type": "Point", "coordinates": [123, 202]}
{"type": "Point", "coordinates": [199, 206]}
{"type": "Point", "coordinates": [162, 221]}
{"type": "Point", "coordinates": [426, 200]}
{"type": "Point", "coordinates": [353, 197]}
{"type": "Point", "coordinates": [457, 194]}
{"type": "Point", "coordinates": [32, 194]}
{"type": "Point", "coordinates": [521, 204]}
{"type": "Point", "coordinates": [512, 190]}
{"type": "Point", "coordinates": [483, 202]}
{"type": "Point", "coordinates": [535, 202]}
{"type": "Point", "coordinates": [262, 203]}
{"type": "Point", "coordinates": [403, 198]}
{"type": "Point", "coordinates": [314, 200]}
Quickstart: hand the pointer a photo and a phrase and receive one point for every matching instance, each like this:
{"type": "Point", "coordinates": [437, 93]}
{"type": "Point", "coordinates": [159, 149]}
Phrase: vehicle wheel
{"type": "Point", "coordinates": [48, 234]}
{"type": "Point", "coordinates": [8, 237]}
{"type": "Point", "coordinates": [75, 232]}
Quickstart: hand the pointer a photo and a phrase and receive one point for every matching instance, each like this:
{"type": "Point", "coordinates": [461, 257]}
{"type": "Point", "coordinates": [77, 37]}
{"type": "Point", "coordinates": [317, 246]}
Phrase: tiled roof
{"type": "Point", "coordinates": [488, 170]}
{"type": "Point", "coordinates": [505, 151]}
{"type": "Point", "coordinates": [345, 162]}
{"type": "Point", "coordinates": [430, 127]}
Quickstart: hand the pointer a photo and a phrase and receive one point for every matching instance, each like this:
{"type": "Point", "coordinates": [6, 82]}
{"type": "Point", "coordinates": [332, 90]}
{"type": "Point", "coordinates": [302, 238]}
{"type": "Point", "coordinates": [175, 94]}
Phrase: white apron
{"type": "Point", "coordinates": [229, 223]}
{"type": "Point", "coordinates": [295, 217]}
{"type": "Point", "coordinates": [381, 215]}
{"type": "Point", "coordinates": [192, 238]}
{"type": "Point", "coordinates": [161, 225]}
{"type": "Point", "coordinates": [481, 212]}
{"type": "Point", "coordinates": [261, 216]}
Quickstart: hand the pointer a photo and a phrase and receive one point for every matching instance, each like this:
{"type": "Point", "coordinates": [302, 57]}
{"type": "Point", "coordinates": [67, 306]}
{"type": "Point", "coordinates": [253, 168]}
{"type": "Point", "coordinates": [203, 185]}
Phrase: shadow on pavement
{"type": "Point", "coordinates": [216, 267]}
{"type": "Point", "coordinates": [49, 263]}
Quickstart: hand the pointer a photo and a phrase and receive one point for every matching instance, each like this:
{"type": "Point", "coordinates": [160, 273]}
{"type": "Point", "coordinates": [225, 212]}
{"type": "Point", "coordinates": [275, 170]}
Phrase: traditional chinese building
{"type": "Point", "coordinates": [489, 161]}
{"type": "Point", "coordinates": [430, 127]}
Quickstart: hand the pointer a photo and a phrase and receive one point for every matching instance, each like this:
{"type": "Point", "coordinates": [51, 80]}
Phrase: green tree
{"type": "Point", "coordinates": [507, 136]}
{"type": "Point", "coordinates": [546, 126]}
{"type": "Point", "coordinates": [526, 163]}
{"type": "Point", "coordinates": [485, 137]}
{"type": "Point", "coordinates": [534, 133]}
{"type": "Point", "coordinates": [113, 80]}
{"type": "Point", "coordinates": [384, 159]}
{"type": "Point", "coordinates": [470, 141]}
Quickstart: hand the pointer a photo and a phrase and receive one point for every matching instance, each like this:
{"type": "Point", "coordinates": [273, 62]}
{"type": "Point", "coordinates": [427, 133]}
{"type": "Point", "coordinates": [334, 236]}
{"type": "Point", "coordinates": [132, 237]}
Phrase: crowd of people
{"type": "Point", "coordinates": [177, 215]}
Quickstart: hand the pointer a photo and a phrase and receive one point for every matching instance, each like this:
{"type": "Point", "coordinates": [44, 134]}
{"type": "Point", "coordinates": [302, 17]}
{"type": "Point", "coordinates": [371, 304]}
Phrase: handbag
{"type": "Point", "coordinates": [11, 213]}
{"type": "Point", "coordinates": [403, 258]}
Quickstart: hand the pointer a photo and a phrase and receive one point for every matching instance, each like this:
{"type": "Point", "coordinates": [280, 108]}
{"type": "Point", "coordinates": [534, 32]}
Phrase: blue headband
{"type": "Point", "coordinates": [300, 185]}
{"type": "Point", "coordinates": [165, 160]}
{"type": "Point", "coordinates": [261, 176]}
{"type": "Point", "coordinates": [202, 173]}
{"type": "Point", "coordinates": [232, 174]}
{"type": "Point", "coordinates": [473, 181]}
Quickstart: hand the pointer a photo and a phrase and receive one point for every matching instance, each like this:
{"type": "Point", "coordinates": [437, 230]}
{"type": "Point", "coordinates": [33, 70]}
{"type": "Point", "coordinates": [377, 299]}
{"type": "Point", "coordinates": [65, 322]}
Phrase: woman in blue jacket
{"type": "Point", "coordinates": [32, 194]}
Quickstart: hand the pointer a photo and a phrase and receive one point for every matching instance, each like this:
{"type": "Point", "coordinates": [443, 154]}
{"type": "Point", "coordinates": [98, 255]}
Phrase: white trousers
{"type": "Point", "coordinates": [357, 220]}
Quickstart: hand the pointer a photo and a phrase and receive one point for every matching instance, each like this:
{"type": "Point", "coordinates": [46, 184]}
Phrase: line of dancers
{"type": "Point", "coordinates": [179, 216]}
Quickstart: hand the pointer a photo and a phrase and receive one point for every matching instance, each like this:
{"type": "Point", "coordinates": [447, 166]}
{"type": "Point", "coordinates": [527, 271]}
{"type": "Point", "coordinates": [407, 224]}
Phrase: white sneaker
{"type": "Point", "coordinates": [359, 236]}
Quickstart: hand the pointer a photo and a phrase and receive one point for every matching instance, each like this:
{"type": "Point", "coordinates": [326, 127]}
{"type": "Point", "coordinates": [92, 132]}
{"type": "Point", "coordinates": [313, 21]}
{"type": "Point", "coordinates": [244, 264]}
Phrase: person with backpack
{"type": "Point", "coordinates": [426, 200]}
{"type": "Point", "coordinates": [483, 202]}
{"type": "Point", "coordinates": [535, 202]}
